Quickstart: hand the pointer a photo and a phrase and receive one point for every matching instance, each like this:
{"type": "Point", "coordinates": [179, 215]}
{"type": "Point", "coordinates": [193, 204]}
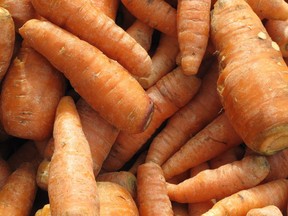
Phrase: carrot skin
{"type": "Point", "coordinates": [109, 7]}
{"type": "Point", "coordinates": [104, 84]}
{"type": "Point", "coordinates": [265, 211]}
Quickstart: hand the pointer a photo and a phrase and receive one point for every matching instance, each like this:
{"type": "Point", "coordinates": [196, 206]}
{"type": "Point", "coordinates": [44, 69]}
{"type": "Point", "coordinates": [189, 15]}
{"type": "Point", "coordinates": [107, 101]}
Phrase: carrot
{"type": "Point", "coordinates": [21, 11]}
{"type": "Point", "coordinates": [123, 178]}
{"type": "Point", "coordinates": [31, 91]}
{"type": "Point", "coordinates": [278, 31]}
{"type": "Point", "coordinates": [265, 211]}
{"type": "Point", "coordinates": [180, 209]}
{"type": "Point", "coordinates": [7, 40]}
{"type": "Point", "coordinates": [18, 194]}
{"type": "Point", "coordinates": [163, 60]}
{"type": "Point", "coordinates": [109, 7]}
{"type": "Point", "coordinates": [271, 193]}
{"type": "Point", "coordinates": [169, 94]}
{"type": "Point", "coordinates": [99, 133]}
{"type": "Point", "coordinates": [188, 120]}
{"type": "Point", "coordinates": [97, 29]}
{"type": "Point", "coordinates": [142, 33]}
{"type": "Point", "coordinates": [214, 184]}
{"type": "Point", "coordinates": [5, 171]}
{"type": "Point", "coordinates": [152, 194]}
{"type": "Point", "coordinates": [42, 174]}
{"type": "Point", "coordinates": [45, 211]}
{"type": "Point", "coordinates": [115, 94]}
{"type": "Point", "coordinates": [215, 138]}
{"type": "Point", "coordinates": [257, 113]}
{"type": "Point", "coordinates": [158, 14]}
{"type": "Point", "coordinates": [72, 187]}
{"type": "Point", "coordinates": [115, 200]}
{"type": "Point", "coordinates": [193, 25]}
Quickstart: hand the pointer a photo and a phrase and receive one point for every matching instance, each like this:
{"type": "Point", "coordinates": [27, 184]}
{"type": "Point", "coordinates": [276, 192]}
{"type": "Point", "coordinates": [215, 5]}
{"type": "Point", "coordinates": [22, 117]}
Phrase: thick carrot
{"type": "Point", "coordinates": [31, 91]}
{"type": "Point", "coordinates": [193, 25]}
{"type": "Point", "coordinates": [169, 94]}
{"type": "Point", "coordinates": [152, 194]}
{"type": "Point", "coordinates": [255, 105]}
{"type": "Point", "coordinates": [163, 60]}
{"type": "Point", "coordinates": [7, 40]}
{"type": "Point", "coordinates": [268, 210]}
{"type": "Point", "coordinates": [109, 7]}
{"type": "Point", "coordinates": [188, 120]}
{"type": "Point", "coordinates": [104, 84]}
{"type": "Point", "coordinates": [92, 25]}
{"type": "Point", "coordinates": [42, 174]}
{"type": "Point", "coordinates": [215, 138]}
{"type": "Point", "coordinates": [278, 31]}
{"type": "Point", "coordinates": [100, 134]}
{"type": "Point", "coordinates": [5, 171]}
{"type": "Point", "coordinates": [214, 184]}
{"type": "Point", "coordinates": [18, 194]}
{"type": "Point", "coordinates": [271, 193]}
{"type": "Point", "coordinates": [158, 14]}
{"type": "Point", "coordinates": [72, 187]}
{"type": "Point", "coordinates": [142, 33]}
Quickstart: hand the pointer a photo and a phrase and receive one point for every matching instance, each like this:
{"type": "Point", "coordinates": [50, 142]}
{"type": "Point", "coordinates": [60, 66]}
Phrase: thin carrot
{"type": "Point", "coordinates": [72, 187]}
{"type": "Point", "coordinates": [268, 210]}
{"type": "Point", "coordinates": [214, 184]}
{"type": "Point", "coordinates": [42, 174]}
{"type": "Point", "coordinates": [278, 31]}
{"type": "Point", "coordinates": [7, 40]}
{"type": "Point", "coordinates": [31, 91]}
{"type": "Point", "coordinates": [271, 193]}
{"type": "Point", "coordinates": [152, 194]}
{"type": "Point", "coordinates": [215, 138]}
{"type": "Point", "coordinates": [18, 194]}
{"type": "Point", "coordinates": [109, 7]}
{"type": "Point", "coordinates": [169, 94]}
{"type": "Point", "coordinates": [193, 25]}
{"type": "Point", "coordinates": [104, 84]}
{"type": "Point", "coordinates": [188, 120]}
{"type": "Point", "coordinates": [158, 14]}
{"type": "Point", "coordinates": [257, 113]}
{"type": "Point", "coordinates": [92, 25]}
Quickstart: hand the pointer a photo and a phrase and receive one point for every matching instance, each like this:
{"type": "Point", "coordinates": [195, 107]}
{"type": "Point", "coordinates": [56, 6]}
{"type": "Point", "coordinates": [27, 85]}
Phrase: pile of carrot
{"type": "Point", "coordinates": [140, 107]}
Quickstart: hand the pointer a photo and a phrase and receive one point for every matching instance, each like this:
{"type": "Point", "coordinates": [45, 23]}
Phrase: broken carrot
{"type": "Point", "coordinates": [104, 84]}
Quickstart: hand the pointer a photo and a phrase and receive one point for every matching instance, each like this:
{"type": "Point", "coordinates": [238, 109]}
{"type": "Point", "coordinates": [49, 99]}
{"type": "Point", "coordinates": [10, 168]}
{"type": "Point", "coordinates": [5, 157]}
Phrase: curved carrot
{"type": "Point", "coordinates": [109, 7]}
{"type": "Point", "coordinates": [18, 194]}
{"type": "Point", "coordinates": [257, 113]}
{"type": "Point", "coordinates": [7, 40]}
{"type": "Point", "coordinates": [152, 194]}
{"type": "Point", "coordinates": [72, 187]}
{"type": "Point", "coordinates": [214, 183]}
{"type": "Point", "coordinates": [31, 91]}
{"type": "Point", "coordinates": [278, 31]}
{"type": "Point", "coordinates": [215, 138]}
{"type": "Point", "coordinates": [92, 25]}
{"type": "Point", "coordinates": [169, 94]}
{"type": "Point", "coordinates": [193, 25]}
{"type": "Point", "coordinates": [188, 120]}
{"type": "Point", "coordinates": [158, 14]}
{"type": "Point", "coordinates": [268, 210]}
{"type": "Point", "coordinates": [271, 193]}
{"type": "Point", "coordinates": [104, 84]}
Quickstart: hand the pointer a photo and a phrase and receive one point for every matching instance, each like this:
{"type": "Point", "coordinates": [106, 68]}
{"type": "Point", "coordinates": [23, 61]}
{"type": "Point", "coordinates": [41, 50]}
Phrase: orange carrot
{"type": "Point", "coordinates": [31, 91]}
{"type": "Point", "coordinates": [268, 210]}
{"type": "Point", "coordinates": [257, 113]}
{"type": "Point", "coordinates": [142, 33]}
{"type": "Point", "coordinates": [215, 138]}
{"type": "Point", "coordinates": [45, 211]}
{"type": "Point", "coordinates": [188, 120]}
{"type": "Point", "coordinates": [193, 25]}
{"type": "Point", "coordinates": [99, 133]}
{"type": "Point", "coordinates": [152, 194]}
{"type": "Point", "coordinates": [163, 60]}
{"type": "Point", "coordinates": [169, 94]}
{"type": "Point", "coordinates": [158, 14]}
{"type": "Point", "coordinates": [109, 7]}
{"type": "Point", "coordinates": [278, 31]}
{"type": "Point", "coordinates": [42, 174]}
{"type": "Point", "coordinates": [5, 171]}
{"type": "Point", "coordinates": [104, 84]}
{"type": "Point", "coordinates": [18, 194]}
{"type": "Point", "coordinates": [271, 193]}
{"type": "Point", "coordinates": [7, 40]}
{"type": "Point", "coordinates": [92, 25]}
{"type": "Point", "coordinates": [72, 187]}
{"type": "Point", "coordinates": [115, 200]}
{"type": "Point", "coordinates": [213, 183]}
